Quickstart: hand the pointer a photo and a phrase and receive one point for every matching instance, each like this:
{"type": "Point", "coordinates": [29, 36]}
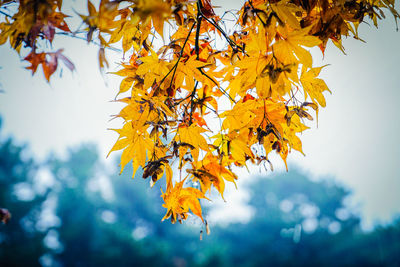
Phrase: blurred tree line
{"type": "Point", "coordinates": [72, 212]}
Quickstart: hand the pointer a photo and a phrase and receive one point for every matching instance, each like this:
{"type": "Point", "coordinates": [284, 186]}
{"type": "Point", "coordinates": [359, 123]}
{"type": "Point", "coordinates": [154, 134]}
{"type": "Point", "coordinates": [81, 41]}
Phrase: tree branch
{"type": "Point", "coordinates": [177, 62]}
{"type": "Point", "coordinates": [180, 56]}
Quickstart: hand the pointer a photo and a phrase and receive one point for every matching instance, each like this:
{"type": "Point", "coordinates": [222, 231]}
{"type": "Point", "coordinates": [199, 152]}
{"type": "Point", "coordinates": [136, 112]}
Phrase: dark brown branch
{"type": "Point", "coordinates": [199, 19]}
{"type": "Point", "coordinates": [192, 106]}
{"type": "Point", "coordinates": [177, 62]}
{"type": "Point", "coordinates": [258, 16]}
{"type": "Point", "coordinates": [197, 50]}
{"type": "Point", "coordinates": [180, 56]}
{"type": "Point", "coordinates": [231, 43]}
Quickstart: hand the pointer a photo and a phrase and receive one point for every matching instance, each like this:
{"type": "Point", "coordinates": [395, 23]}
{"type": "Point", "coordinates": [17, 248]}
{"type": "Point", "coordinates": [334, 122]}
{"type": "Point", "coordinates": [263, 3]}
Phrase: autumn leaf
{"type": "Point", "coordinates": [192, 135]}
{"type": "Point", "coordinates": [289, 48]}
{"type": "Point", "coordinates": [313, 86]}
{"type": "Point", "coordinates": [179, 200]}
{"type": "Point", "coordinates": [49, 62]}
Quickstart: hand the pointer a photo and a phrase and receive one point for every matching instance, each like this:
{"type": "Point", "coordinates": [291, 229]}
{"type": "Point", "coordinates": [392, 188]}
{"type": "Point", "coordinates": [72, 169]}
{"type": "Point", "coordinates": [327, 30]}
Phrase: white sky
{"type": "Point", "coordinates": [356, 142]}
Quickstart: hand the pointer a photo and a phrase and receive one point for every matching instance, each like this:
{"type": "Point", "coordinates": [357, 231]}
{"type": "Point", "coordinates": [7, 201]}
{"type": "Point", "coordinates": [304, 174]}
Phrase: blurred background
{"type": "Point", "coordinates": [71, 211]}
{"type": "Point", "coordinates": [339, 205]}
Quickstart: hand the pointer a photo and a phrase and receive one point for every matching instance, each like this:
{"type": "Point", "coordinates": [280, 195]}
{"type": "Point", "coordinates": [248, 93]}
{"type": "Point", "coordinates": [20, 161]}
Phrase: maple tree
{"type": "Point", "coordinates": [261, 72]}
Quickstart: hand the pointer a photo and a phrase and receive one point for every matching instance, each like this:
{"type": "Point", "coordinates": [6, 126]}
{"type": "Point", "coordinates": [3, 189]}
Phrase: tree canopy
{"type": "Point", "coordinates": [200, 99]}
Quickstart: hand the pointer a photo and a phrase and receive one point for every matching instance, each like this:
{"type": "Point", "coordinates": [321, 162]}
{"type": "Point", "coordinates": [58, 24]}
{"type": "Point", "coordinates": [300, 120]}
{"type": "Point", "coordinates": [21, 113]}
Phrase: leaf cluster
{"type": "Point", "coordinates": [194, 110]}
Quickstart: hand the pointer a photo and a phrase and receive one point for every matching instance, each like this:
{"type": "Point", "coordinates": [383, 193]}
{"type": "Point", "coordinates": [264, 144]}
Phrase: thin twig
{"type": "Point", "coordinates": [258, 16]}
{"type": "Point", "coordinates": [93, 42]}
{"type": "Point", "coordinates": [180, 56]}
{"type": "Point", "coordinates": [5, 14]}
{"type": "Point", "coordinates": [197, 50]}
{"type": "Point", "coordinates": [228, 39]}
{"type": "Point", "coordinates": [175, 67]}
{"type": "Point", "coordinates": [219, 87]}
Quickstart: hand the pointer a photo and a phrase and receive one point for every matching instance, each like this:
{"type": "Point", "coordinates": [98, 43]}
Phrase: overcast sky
{"type": "Point", "coordinates": [356, 143]}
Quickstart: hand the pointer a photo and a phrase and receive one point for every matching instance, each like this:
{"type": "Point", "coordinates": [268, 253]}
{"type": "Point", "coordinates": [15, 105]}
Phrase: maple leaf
{"type": "Point", "coordinates": [135, 146]}
{"type": "Point", "coordinates": [289, 49]}
{"type": "Point", "coordinates": [212, 171]}
{"type": "Point", "coordinates": [103, 19]}
{"type": "Point", "coordinates": [314, 87]}
{"type": "Point", "coordinates": [234, 145]}
{"type": "Point", "coordinates": [49, 66]}
{"type": "Point", "coordinates": [192, 135]}
{"type": "Point", "coordinates": [179, 200]}
{"type": "Point", "coordinates": [189, 70]}
{"type": "Point", "coordinates": [286, 12]}
{"type": "Point", "coordinates": [239, 117]}
{"type": "Point", "coordinates": [207, 9]}
{"type": "Point", "coordinates": [158, 10]}
{"type": "Point", "coordinates": [152, 69]}
{"type": "Point", "coordinates": [35, 60]}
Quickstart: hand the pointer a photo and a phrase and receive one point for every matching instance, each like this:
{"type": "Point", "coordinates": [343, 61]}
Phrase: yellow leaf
{"type": "Point", "coordinates": [285, 11]}
{"type": "Point", "coordinates": [192, 135]}
{"type": "Point", "coordinates": [314, 87]}
{"type": "Point", "coordinates": [178, 201]}
{"type": "Point", "coordinates": [126, 84]}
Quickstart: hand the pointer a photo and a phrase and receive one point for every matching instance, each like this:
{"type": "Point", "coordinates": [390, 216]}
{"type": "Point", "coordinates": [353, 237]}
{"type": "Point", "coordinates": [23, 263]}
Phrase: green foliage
{"type": "Point", "coordinates": [20, 242]}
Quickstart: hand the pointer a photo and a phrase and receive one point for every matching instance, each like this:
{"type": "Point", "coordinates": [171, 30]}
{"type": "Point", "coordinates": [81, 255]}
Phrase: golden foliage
{"type": "Point", "coordinates": [264, 78]}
